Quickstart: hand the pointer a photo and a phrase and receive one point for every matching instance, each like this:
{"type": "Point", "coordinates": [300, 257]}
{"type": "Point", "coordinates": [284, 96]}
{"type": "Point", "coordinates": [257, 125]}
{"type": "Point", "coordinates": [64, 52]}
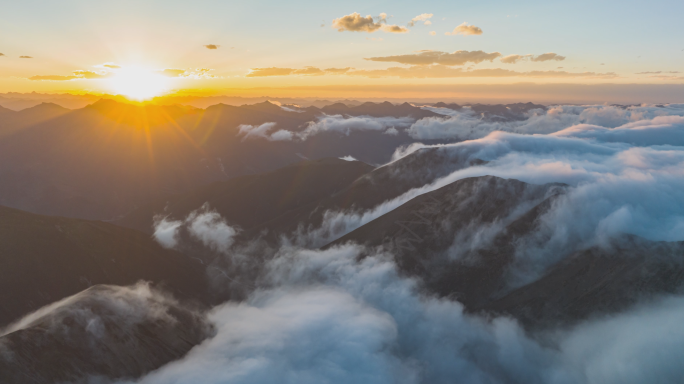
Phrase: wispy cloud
{"type": "Point", "coordinates": [25, 57]}
{"type": "Point", "coordinates": [422, 17]}
{"type": "Point", "coordinates": [306, 71]}
{"type": "Point", "coordinates": [212, 46]}
{"type": "Point", "coordinates": [513, 59]}
{"type": "Point", "coordinates": [436, 57]}
{"type": "Point", "coordinates": [465, 29]}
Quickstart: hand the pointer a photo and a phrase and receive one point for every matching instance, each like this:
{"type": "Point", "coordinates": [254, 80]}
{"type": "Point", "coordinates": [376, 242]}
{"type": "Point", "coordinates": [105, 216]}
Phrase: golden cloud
{"type": "Point", "coordinates": [212, 46]}
{"type": "Point", "coordinates": [25, 57]}
{"type": "Point", "coordinates": [465, 29]}
{"type": "Point", "coordinates": [306, 71]}
{"type": "Point", "coordinates": [356, 23]}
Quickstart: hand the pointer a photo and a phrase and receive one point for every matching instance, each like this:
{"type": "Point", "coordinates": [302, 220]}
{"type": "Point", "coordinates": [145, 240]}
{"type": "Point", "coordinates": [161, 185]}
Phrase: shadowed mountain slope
{"type": "Point", "coordinates": [45, 259]}
{"type": "Point", "coordinates": [103, 332]}
{"type": "Point", "coordinates": [249, 201]}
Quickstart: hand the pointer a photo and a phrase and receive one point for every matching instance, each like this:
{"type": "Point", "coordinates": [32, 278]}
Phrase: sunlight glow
{"type": "Point", "coordinates": [139, 83]}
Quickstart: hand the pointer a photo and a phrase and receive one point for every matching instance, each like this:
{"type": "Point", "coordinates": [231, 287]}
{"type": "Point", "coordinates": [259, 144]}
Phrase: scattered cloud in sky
{"type": "Point", "coordinates": [2, 54]}
{"type": "Point", "coordinates": [548, 56]}
{"type": "Point", "coordinates": [111, 66]}
{"type": "Point", "coordinates": [465, 29]}
{"type": "Point", "coordinates": [394, 29]}
{"type": "Point", "coordinates": [513, 59]}
{"type": "Point", "coordinates": [356, 23]}
{"type": "Point", "coordinates": [422, 17]}
{"type": "Point", "coordinates": [338, 70]}
{"type": "Point", "coordinates": [436, 57]}
{"type": "Point", "coordinates": [91, 74]}
{"type": "Point", "coordinates": [212, 46]}
{"type": "Point", "coordinates": [433, 33]}
{"type": "Point", "coordinates": [25, 57]}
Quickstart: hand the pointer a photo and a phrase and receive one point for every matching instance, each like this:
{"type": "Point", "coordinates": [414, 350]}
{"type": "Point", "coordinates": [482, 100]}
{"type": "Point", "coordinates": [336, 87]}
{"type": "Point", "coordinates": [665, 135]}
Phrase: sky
{"type": "Point", "coordinates": [229, 47]}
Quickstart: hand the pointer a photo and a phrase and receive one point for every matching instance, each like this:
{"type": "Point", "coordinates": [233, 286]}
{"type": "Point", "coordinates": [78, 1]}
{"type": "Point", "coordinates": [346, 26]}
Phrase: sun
{"type": "Point", "coordinates": [139, 83]}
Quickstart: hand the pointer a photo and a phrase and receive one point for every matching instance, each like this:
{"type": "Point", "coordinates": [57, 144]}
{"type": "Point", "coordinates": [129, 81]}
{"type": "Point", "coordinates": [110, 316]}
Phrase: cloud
{"type": "Point", "coordinates": [394, 29]}
{"type": "Point", "coordinates": [548, 56]}
{"type": "Point", "coordinates": [262, 131]}
{"type": "Point", "coordinates": [212, 46]}
{"type": "Point", "coordinates": [347, 315]}
{"type": "Point", "coordinates": [465, 29]}
{"type": "Point", "coordinates": [422, 17]}
{"type": "Point", "coordinates": [306, 71]}
{"type": "Point", "coordinates": [111, 65]}
{"type": "Point", "coordinates": [203, 224]}
{"type": "Point", "coordinates": [340, 124]}
{"type": "Point", "coordinates": [337, 71]}
{"type": "Point", "coordinates": [327, 123]}
{"type": "Point", "coordinates": [442, 71]}
{"type": "Point", "coordinates": [2, 54]}
{"type": "Point", "coordinates": [25, 57]}
{"type": "Point", "coordinates": [433, 33]}
{"type": "Point", "coordinates": [465, 124]}
{"type": "Point", "coordinates": [272, 71]}
{"type": "Point", "coordinates": [513, 59]}
{"type": "Point", "coordinates": [92, 75]}
{"type": "Point", "coordinates": [356, 23]}
{"type": "Point", "coordinates": [437, 57]}
{"type": "Point", "coordinates": [348, 158]}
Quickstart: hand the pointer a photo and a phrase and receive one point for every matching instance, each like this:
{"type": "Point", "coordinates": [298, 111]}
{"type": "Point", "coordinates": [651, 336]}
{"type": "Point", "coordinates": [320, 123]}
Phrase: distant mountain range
{"type": "Point", "coordinates": [101, 161]}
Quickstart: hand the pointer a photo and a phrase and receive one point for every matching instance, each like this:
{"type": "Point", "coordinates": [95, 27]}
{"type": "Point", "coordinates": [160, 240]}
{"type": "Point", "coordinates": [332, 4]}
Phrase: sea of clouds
{"type": "Point", "coordinates": [331, 316]}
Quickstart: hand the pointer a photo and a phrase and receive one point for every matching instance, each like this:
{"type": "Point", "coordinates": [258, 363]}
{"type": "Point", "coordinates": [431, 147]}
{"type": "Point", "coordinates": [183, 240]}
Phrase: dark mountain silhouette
{"type": "Point", "coordinates": [101, 161]}
{"type": "Point", "coordinates": [11, 121]}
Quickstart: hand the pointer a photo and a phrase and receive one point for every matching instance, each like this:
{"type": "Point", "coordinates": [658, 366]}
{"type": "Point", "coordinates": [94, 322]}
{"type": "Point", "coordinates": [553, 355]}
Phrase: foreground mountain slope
{"type": "Point", "coordinates": [45, 259]}
{"type": "Point", "coordinates": [104, 332]}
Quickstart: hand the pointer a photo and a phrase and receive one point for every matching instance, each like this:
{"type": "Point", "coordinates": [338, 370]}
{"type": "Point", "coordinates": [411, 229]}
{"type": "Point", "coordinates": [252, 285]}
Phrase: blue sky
{"type": "Point", "coordinates": [602, 37]}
